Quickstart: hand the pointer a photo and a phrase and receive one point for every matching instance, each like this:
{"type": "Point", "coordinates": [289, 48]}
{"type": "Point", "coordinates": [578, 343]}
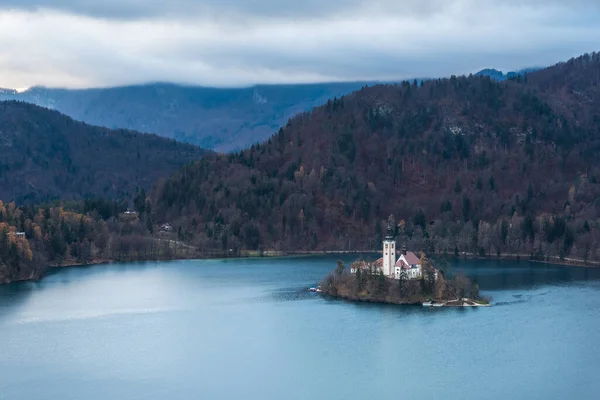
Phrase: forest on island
{"type": "Point", "coordinates": [369, 284]}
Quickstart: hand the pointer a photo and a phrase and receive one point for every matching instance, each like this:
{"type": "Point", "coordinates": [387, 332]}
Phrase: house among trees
{"type": "Point", "coordinates": [407, 266]}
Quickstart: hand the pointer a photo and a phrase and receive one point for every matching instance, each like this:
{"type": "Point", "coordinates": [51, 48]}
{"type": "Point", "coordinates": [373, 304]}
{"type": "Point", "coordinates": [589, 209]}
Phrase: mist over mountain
{"type": "Point", "coordinates": [216, 118]}
{"type": "Point", "coordinates": [223, 119]}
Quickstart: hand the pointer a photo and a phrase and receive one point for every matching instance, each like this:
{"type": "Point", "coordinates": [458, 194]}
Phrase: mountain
{"type": "Point", "coordinates": [465, 163]}
{"type": "Point", "coordinates": [217, 118]}
{"type": "Point", "coordinates": [45, 155]}
{"type": "Point", "coordinates": [221, 119]}
{"type": "Point", "coordinates": [8, 92]}
{"type": "Point", "coordinates": [501, 76]}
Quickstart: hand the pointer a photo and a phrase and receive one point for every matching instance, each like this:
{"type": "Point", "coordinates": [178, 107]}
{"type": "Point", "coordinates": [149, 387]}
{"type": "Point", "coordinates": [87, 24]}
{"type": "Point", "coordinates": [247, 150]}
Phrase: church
{"type": "Point", "coordinates": [406, 266]}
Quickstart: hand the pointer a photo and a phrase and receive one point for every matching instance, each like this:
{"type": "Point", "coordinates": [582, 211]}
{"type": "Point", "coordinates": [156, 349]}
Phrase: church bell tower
{"type": "Point", "coordinates": [389, 249]}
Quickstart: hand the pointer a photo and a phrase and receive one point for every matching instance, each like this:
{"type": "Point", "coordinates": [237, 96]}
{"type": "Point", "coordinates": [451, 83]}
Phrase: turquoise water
{"type": "Point", "coordinates": [249, 329]}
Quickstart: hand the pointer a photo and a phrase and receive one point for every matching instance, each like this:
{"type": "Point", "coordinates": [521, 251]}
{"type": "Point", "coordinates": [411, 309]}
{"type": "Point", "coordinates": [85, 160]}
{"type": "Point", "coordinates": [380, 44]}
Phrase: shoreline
{"type": "Point", "coordinates": [550, 260]}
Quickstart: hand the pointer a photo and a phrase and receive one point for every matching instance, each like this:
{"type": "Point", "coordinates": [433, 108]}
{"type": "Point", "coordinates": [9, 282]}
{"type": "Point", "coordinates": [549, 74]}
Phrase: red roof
{"type": "Point", "coordinates": [411, 258]}
{"type": "Point", "coordinates": [402, 264]}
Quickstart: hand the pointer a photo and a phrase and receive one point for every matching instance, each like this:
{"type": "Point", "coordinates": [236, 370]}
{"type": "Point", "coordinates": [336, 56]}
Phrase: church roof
{"type": "Point", "coordinates": [410, 258]}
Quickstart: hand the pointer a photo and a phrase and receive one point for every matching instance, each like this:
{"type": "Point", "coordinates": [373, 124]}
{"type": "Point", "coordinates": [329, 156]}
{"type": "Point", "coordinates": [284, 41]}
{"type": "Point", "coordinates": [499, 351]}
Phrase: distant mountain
{"type": "Point", "coordinates": [501, 76]}
{"type": "Point", "coordinates": [221, 119]}
{"type": "Point", "coordinates": [8, 92]}
{"type": "Point", "coordinates": [467, 163]}
{"type": "Point", "coordinates": [216, 118]}
{"type": "Point", "coordinates": [45, 155]}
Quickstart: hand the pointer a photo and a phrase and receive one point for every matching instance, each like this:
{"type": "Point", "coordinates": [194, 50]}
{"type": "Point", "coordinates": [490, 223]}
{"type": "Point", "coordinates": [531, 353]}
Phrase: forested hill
{"type": "Point", "coordinates": [45, 155]}
{"type": "Point", "coordinates": [466, 163]}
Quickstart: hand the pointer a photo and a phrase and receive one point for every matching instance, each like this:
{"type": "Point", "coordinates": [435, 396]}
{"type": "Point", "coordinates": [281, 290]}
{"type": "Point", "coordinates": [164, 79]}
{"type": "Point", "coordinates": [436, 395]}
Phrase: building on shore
{"type": "Point", "coordinates": [409, 264]}
{"type": "Point", "coordinates": [406, 266]}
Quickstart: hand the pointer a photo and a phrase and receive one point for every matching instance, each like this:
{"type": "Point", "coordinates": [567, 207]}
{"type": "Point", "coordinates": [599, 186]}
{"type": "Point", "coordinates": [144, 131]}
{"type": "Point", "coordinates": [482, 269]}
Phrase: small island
{"type": "Point", "coordinates": [406, 280]}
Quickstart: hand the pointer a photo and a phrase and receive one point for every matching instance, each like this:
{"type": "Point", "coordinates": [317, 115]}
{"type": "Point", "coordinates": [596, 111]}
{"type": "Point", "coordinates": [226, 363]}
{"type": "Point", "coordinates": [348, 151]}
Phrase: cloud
{"type": "Point", "coordinates": [77, 43]}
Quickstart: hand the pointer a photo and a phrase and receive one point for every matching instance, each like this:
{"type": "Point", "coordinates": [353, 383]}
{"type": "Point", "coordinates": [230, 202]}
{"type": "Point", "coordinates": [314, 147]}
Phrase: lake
{"type": "Point", "coordinates": [231, 329]}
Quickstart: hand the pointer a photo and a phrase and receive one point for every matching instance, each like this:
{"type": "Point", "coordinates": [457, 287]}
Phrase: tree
{"type": "Point", "coordinates": [380, 282]}
{"type": "Point", "coordinates": [466, 208]}
{"type": "Point", "coordinates": [446, 207]}
{"type": "Point", "coordinates": [359, 282]}
{"type": "Point", "coordinates": [457, 187]}
{"type": "Point", "coordinates": [402, 282]}
{"type": "Point", "coordinates": [439, 287]}
{"type": "Point", "coordinates": [420, 220]}
{"type": "Point", "coordinates": [428, 273]}
{"type": "Point", "coordinates": [339, 269]}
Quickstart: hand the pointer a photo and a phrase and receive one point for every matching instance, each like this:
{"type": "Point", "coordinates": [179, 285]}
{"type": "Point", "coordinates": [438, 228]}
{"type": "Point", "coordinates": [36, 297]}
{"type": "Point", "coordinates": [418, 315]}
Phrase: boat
{"type": "Point", "coordinates": [315, 289]}
{"type": "Point", "coordinates": [433, 304]}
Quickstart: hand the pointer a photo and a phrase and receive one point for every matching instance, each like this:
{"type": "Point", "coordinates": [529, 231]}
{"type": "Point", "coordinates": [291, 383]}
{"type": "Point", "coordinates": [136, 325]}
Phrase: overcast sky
{"type": "Point", "coordinates": [91, 43]}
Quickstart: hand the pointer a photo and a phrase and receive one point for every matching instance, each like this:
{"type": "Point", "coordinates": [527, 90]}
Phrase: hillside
{"type": "Point", "coordinates": [45, 155]}
{"type": "Point", "coordinates": [221, 119]}
{"type": "Point", "coordinates": [466, 164]}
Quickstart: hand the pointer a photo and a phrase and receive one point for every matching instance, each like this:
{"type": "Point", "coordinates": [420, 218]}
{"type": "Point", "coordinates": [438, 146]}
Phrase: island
{"type": "Point", "coordinates": [406, 280]}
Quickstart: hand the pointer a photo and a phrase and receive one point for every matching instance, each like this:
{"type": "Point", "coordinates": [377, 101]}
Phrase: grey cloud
{"type": "Point", "coordinates": [137, 9]}
{"type": "Point", "coordinates": [226, 43]}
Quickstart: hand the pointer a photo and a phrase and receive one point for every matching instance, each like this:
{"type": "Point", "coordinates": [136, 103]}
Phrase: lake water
{"type": "Point", "coordinates": [231, 329]}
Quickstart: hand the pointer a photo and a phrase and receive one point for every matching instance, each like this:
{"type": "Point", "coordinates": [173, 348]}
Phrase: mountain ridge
{"type": "Point", "coordinates": [220, 118]}
{"type": "Point", "coordinates": [501, 76]}
{"type": "Point", "coordinates": [224, 119]}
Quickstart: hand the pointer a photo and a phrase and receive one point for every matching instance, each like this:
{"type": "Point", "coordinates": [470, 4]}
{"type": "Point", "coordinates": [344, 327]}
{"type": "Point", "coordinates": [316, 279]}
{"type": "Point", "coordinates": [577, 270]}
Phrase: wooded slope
{"type": "Point", "coordinates": [449, 153]}
{"type": "Point", "coordinates": [45, 155]}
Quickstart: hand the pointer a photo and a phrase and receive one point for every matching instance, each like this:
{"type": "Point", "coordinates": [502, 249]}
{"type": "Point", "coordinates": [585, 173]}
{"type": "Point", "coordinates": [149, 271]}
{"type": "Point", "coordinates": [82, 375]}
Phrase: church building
{"type": "Point", "coordinates": [406, 266]}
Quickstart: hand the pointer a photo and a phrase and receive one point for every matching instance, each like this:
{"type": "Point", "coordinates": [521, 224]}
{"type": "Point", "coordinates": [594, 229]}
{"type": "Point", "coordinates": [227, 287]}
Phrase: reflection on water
{"type": "Point", "coordinates": [504, 275]}
{"type": "Point", "coordinates": [229, 329]}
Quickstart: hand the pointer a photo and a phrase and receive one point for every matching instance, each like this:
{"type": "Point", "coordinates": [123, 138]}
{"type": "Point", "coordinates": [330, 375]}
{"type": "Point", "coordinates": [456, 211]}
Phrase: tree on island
{"type": "Point", "coordinates": [340, 267]}
{"type": "Point", "coordinates": [367, 284]}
